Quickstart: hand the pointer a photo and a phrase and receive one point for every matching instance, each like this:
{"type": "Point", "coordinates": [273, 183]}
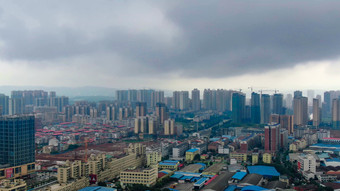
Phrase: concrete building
{"type": "Point", "coordinates": [254, 158]}
{"type": "Point", "coordinates": [300, 111]}
{"type": "Point", "coordinates": [265, 108]}
{"type": "Point", "coordinates": [17, 145]}
{"type": "Point", "coordinates": [307, 163]}
{"type": "Point", "coordinates": [4, 104]}
{"type": "Point", "coordinates": [141, 109]}
{"type": "Point", "coordinates": [179, 150]}
{"type": "Point", "coordinates": [153, 125]}
{"type": "Point", "coordinates": [255, 108]}
{"type": "Point", "coordinates": [13, 185]}
{"type": "Point", "coordinates": [153, 158]}
{"type": "Point", "coordinates": [278, 104]}
{"type": "Point", "coordinates": [74, 176]}
{"type": "Point", "coordinates": [238, 107]}
{"type": "Point", "coordinates": [196, 101]}
{"type": "Point", "coordinates": [145, 176]}
{"type": "Point", "coordinates": [111, 113]}
{"type": "Point", "coordinates": [175, 100]}
{"type": "Point", "coordinates": [162, 112]}
{"type": "Point", "coordinates": [184, 100]}
{"type": "Point", "coordinates": [316, 113]}
{"type": "Point", "coordinates": [240, 157]}
{"type": "Point", "coordinates": [336, 113]}
{"type": "Point", "coordinates": [141, 125]}
{"type": "Point", "coordinates": [267, 158]}
{"type": "Point", "coordinates": [169, 127]}
{"type": "Point", "coordinates": [157, 97]}
{"type": "Point", "coordinates": [190, 154]}
{"type": "Point", "coordinates": [272, 137]}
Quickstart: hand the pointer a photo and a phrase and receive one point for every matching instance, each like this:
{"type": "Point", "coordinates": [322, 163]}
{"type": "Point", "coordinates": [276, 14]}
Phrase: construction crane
{"type": "Point", "coordinates": [85, 143]}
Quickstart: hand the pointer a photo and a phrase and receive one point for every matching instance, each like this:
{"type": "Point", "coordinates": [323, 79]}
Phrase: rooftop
{"type": "Point", "coordinates": [239, 175]}
{"type": "Point", "coordinates": [97, 188]}
{"type": "Point", "coordinates": [192, 150]}
{"type": "Point", "coordinates": [263, 170]}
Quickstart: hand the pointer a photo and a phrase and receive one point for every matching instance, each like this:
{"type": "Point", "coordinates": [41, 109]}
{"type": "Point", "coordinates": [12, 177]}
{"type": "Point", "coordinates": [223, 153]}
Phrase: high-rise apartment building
{"type": "Point", "coordinates": [287, 122]}
{"type": "Point", "coordinates": [157, 97]}
{"type": "Point", "coordinates": [132, 95]}
{"type": "Point", "coordinates": [175, 100]}
{"type": "Point", "coordinates": [111, 113]}
{"type": "Point", "coordinates": [207, 99]}
{"type": "Point", "coordinates": [327, 99]}
{"type": "Point", "coordinates": [145, 96]}
{"type": "Point", "coordinates": [255, 108]}
{"type": "Point", "coordinates": [16, 106]}
{"type": "Point", "coordinates": [141, 109]}
{"type": "Point", "coordinates": [300, 111]}
{"type": "Point", "coordinates": [289, 101]}
{"type": "Point", "coordinates": [17, 143]}
{"type": "Point", "coordinates": [169, 127]}
{"type": "Point", "coordinates": [184, 100]}
{"type": "Point", "coordinates": [336, 113]}
{"type": "Point", "coordinates": [141, 124]}
{"type": "Point", "coordinates": [162, 112]}
{"type": "Point", "coordinates": [310, 96]}
{"type": "Point", "coordinates": [153, 125]}
{"type": "Point", "coordinates": [223, 98]}
{"type": "Point", "coordinates": [196, 100]}
{"type": "Point", "coordinates": [272, 137]}
{"type": "Point", "coordinates": [238, 107]}
{"type": "Point", "coordinates": [316, 112]}
{"type": "Point", "coordinates": [122, 95]}
{"type": "Point", "coordinates": [265, 108]}
{"type": "Point", "coordinates": [297, 94]}
{"type": "Point", "coordinates": [4, 103]}
{"type": "Point", "coordinates": [278, 104]}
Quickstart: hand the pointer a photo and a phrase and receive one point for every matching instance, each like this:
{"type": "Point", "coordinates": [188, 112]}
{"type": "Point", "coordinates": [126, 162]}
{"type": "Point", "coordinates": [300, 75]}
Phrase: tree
{"type": "Point", "coordinates": [101, 184]}
{"type": "Point", "coordinates": [197, 157]}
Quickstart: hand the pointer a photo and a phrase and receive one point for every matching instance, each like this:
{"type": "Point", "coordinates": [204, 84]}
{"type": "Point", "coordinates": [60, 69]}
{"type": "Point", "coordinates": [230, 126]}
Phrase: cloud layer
{"type": "Point", "coordinates": [152, 40]}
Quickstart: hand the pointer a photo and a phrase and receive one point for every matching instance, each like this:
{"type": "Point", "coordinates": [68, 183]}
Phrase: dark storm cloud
{"type": "Point", "coordinates": [192, 38]}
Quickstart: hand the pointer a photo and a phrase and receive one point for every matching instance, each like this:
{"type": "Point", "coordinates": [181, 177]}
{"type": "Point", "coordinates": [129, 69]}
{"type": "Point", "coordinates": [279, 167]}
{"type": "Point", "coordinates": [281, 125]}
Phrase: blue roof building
{"type": "Point", "coordinates": [97, 188]}
{"type": "Point", "coordinates": [253, 188]}
{"type": "Point", "coordinates": [239, 175]}
{"type": "Point", "coordinates": [192, 150]}
{"type": "Point", "coordinates": [265, 171]}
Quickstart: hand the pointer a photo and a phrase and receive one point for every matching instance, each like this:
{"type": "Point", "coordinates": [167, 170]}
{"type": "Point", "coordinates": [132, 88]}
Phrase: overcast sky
{"type": "Point", "coordinates": [171, 44]}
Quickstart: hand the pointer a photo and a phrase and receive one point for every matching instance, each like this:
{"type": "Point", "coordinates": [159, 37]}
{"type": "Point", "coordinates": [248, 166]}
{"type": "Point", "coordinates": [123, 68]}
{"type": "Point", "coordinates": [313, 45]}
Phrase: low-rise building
{"type": "Point", "coordinates": [179, 150]}
{"type": "Point", "coordinates": [254, 158]}
{"type": "Point", "coordinates": [145, 176]}
{"type": "Point", "coordinates": [240, 157]}
{"type": "Point", "coordinates": [13, 185]}
{"type": "Point", "coordinates": [307, 163]}
{"type": "Point", "coordinates": [190, 154]}
{"type": "Point", "coordinates": [327, 178]}
{"type": "Point", "coordinates": [153, 158]}
{"type": "Point", "coordinates": [267, 158]}
{"type": "Point", "coordinates": [169, 164]}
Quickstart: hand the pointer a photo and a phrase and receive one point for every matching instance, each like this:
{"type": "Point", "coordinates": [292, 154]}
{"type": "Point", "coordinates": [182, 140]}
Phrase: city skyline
{"type": "Point", "coordinates": [170, 45]}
